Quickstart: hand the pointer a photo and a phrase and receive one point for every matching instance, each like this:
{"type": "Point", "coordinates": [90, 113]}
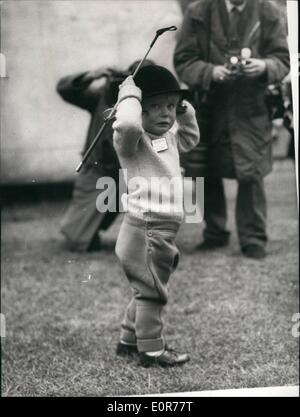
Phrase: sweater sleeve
{"type": "Point", "coordinates": [275, 48]}
{"type": "Point", "coordinates": [187, 134]}
{"type": "Point", "coordinates": [189, 56]}
{"type": "Point", "coordinates": [128, 124]}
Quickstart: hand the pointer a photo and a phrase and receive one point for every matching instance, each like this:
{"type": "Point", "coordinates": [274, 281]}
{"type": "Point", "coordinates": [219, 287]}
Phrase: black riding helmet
{"type": "Point", "coordinates": [154, 80]}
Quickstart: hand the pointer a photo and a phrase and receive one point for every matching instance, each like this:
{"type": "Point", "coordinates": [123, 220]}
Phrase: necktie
{"type": "Point", "coordinates": [233, 25]}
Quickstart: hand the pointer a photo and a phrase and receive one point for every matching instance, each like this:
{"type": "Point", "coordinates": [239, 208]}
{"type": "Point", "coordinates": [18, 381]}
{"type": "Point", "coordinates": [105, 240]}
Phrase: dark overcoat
{"type": "Point", "coordinates": [238, 127]}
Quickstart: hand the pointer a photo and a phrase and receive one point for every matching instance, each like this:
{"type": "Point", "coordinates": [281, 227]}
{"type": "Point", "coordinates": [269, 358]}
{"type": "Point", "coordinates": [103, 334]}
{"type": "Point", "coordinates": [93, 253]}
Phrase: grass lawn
{"type": "Point", "coordinates": [233, 315]}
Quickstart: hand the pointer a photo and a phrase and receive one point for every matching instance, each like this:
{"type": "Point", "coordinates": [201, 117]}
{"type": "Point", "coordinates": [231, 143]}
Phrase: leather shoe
{"type": "Point", "coordinates": [210, 244]}
{"type": "Point", "coordinates": [95, 244]}
{"type": "Point", "coordinates": [168, 358]}
{"type": "Point", "coordinates": [254, 251]}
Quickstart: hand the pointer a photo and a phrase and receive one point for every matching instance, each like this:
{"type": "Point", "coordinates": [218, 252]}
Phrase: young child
{"type": "Point", "coordinates": [148, 149]}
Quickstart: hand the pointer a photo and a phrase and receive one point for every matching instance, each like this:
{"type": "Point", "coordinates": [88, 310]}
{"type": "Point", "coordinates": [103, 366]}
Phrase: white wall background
{"type": "Point", "coordinates": [42, 136]}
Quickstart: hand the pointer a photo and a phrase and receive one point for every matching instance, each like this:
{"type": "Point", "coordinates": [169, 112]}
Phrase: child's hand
{"type": "Point", "coordinates": [181, 108]}
{"type": "Point", "coordinates": [127, 81]}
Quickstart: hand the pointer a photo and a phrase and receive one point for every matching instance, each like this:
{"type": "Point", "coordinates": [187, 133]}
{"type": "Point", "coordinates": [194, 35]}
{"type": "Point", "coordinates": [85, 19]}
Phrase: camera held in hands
{"type": "Point", "coordinates": [235, 61]}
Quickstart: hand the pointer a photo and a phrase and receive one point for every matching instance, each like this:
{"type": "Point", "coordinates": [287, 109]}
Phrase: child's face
{"type": "Point", "coordinates": [159, 113]}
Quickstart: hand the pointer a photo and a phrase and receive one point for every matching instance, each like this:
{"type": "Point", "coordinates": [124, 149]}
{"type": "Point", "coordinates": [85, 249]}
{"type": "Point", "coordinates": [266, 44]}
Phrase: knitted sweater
{"type": "Point", "coordinates": [153, 176]}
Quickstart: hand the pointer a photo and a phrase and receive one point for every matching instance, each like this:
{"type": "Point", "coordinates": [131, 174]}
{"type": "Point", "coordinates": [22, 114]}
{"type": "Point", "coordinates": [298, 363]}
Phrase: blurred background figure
{"type": "Point", "coordinates": [288, 119]}
{"type": "Point", "coordinates": [233, 115]}
{"type": "Point", "coordinates": [83, 221]}
{"type": "Point", "coordinates": [280, 106]}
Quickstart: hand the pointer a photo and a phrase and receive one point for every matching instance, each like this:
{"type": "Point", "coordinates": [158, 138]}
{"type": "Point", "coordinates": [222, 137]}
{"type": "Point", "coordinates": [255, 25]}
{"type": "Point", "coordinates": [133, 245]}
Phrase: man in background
{"type": "Point", "coordinates": [232, 111]}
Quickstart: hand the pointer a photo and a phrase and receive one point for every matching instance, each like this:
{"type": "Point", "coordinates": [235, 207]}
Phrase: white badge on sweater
{"type": "Point", "coordinates": [160, 144]}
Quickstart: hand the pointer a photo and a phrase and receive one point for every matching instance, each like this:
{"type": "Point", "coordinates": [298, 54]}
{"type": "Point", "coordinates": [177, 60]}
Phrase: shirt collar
{"type": "Point", "coordinates": [230, 6]}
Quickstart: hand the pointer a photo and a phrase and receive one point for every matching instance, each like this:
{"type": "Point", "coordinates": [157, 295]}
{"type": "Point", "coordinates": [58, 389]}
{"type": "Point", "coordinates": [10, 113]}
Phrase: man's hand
{"type": "Point", "coordinates": [95, 74]}
{"type": "Point", "coordinates": [102, 72]}
{"type": "Point", "coordinates": [221, 74]}
{"type": "Point", "coordinates": [254, 68]}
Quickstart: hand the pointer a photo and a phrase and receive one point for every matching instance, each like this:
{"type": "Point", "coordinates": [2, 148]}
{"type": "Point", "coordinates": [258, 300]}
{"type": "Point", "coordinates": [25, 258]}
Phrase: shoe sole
{"type": "Point", "coordinates": [161, 364]}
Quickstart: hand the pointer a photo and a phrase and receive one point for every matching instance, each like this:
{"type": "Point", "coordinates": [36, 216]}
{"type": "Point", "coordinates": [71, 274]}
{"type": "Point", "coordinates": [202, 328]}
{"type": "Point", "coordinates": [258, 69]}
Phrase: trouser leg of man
{"type": "Point", "coordinates": [83, 220]}
{"type": "Point", "coordinates": [215, 210]}
{"type": "Point", "coordinates": [251, 214]}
